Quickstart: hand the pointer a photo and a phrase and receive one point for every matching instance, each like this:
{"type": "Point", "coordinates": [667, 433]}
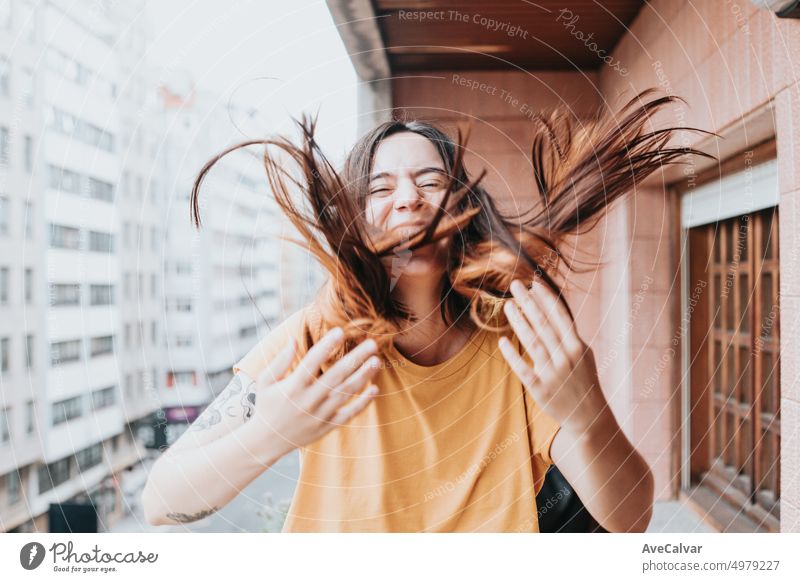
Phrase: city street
{"type": "Point", "coordinates": [248, 512]}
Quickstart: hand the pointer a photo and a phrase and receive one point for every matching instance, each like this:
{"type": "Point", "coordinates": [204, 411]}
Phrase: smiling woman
{"type": "Point", "coordinates": [438, 374]}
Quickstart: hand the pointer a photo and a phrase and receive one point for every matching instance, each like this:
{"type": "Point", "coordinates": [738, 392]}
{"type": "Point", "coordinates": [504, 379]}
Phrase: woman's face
{"type": "Point", "coordinates": [406, 187]}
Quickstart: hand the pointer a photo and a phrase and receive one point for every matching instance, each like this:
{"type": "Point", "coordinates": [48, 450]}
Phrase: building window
{"type": "Point", "coordinates": [68, 409]}
{"type": "Point", "coordinates": [5, 356]}
{"type": "Point", "coordinates": [4, 285]}
{"type": "Point", "coordinates": [248, 331]}
{"type": "Point", "coordinates": [142, 376]}
{"type": "Point", "coordinates": [64, 180]}
{"type": "Point", "coordinates": [65, 294]}
{"type": "Point", "coordinates": [153, 285]}
{"type": "Point", "coordinates": [104, 397]}
{"type": "Point", "coordinates": [101, 346]}
{"type": "Point", "coordinates": [78, 73]}
{"type": "Point", "coordinates": [64, 352]}
{"type": "Point", "coordinates": [65, 237]}
{"type": "Point", "coordinates": [4, 146]}
{"type": "Point", "coordinates": [101, 242]}
{"type": "Point", "coordinates": [30, 424]}
{"type": "Point", "coordinates": [28, 286]}
{"type": "Point", "coordinates": [182, 304]}
{"type": "Point", "coordinates": [89, 457]}
{"type": "Point", "coordinates": [29, 220]}
{"type": "Point", "coordinates": [29, 351]}
{"type": "Point", "coordinates": [13, 487]}
{"type": "Point", "coordinates": [5, 69]}
{"type": "Point", "coordinates": [28, 88]}
{"type": "Point", "coordinates": [174, 378]}
{"type": "Point", "coordinates": [100, 190]}
{"type": "Point", "coordinates": [153, 332]}
{"type": "Point", "coordinates": [101, 294]}
{"type": "Point", "coordinates": [28, 154]}
{"type": "Point", "coordinates": [54, 474]}
{"type": "Point", "coordinates": [74, 183]}
{"type": "Point", "coordinates": [76, 128]}
{"type": "Point", "coordinates": [5, 218]}
{"type": "Point", "coordinates": [183, 341]}
{"type": "Point", "coordinates": [5, 426]}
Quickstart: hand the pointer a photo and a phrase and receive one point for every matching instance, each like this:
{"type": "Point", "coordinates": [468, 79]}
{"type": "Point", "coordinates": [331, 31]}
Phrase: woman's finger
{"type": "Point", "coordinates": [346, 413]}
{"type": "Point", "coordinates": [279, 366]}
{"type": "Point", "coordinates": [530, 342]}
{"type": "Point", "coordinates": [518, 364]}
{"type": "Point", "coordinates": [559, 318]}
{"type": "Point", "coordinates": [309, 367]}
{"type": "Point", "coordinates": [345, 367]}
{"type": "Point", "coordinates": [352, 385]}
{"type": "Point", "coordinates": [537, 319]}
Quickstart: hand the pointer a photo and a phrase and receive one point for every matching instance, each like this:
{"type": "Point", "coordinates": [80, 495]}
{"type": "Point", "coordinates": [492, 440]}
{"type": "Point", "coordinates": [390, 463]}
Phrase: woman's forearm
{"type": "Point", "coordinates": [612, 479]}
{"type": "Point", "coordinates": [189, 484]}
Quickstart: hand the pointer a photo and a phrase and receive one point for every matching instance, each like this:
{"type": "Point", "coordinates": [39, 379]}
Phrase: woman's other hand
{"type": "Point", "coordinates": [563, 379]}
{"type": "Point", "coordinates": [302, 406]}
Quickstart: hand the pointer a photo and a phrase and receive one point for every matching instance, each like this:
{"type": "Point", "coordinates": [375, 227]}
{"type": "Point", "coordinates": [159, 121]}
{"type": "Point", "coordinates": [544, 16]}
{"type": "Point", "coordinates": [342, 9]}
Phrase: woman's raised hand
{"type": "Point", "coordinates": [302, 406]}
{"type": "Point", "coordinates": [563, 379]}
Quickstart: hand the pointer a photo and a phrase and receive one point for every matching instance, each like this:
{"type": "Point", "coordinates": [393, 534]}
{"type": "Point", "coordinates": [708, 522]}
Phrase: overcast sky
{"type": "Point", "coordinates": [282, 56]}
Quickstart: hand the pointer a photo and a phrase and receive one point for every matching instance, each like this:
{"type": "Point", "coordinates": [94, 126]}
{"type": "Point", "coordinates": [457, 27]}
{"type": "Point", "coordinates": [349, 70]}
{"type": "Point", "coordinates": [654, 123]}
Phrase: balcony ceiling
{"type": "Point", "coordinates": [504, 34]}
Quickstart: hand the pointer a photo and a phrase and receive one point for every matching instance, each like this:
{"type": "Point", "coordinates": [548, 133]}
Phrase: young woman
{"type": "Point", "coordinates": [438, 374]}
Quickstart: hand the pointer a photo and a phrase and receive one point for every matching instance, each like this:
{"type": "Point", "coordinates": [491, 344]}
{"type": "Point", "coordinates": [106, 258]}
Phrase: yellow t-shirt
{"type": "Point", "coordinates": [458, 446]}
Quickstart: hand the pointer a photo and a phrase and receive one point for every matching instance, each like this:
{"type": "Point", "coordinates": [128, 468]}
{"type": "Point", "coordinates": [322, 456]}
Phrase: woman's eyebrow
{"type": "Point", "coordinates": [415, 173]}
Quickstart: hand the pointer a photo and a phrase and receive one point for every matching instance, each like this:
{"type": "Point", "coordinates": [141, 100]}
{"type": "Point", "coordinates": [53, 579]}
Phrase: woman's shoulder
{"type": "Point", "coordinates": [293, 326]}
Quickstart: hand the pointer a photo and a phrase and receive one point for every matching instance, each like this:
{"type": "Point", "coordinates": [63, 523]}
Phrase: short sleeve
{"type": "Point", "coordinates": [542, 427]}
{"type": "Point", "coordinates": [265, 350]}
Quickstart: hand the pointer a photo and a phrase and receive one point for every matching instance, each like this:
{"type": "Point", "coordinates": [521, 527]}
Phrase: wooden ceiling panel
{"type": "Point", "coordinates": [426, 35]}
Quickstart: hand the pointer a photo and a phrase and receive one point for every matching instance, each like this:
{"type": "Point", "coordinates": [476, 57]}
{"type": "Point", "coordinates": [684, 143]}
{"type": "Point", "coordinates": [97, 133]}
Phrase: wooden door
{"type": "Point", "coordinates": [734, 370]}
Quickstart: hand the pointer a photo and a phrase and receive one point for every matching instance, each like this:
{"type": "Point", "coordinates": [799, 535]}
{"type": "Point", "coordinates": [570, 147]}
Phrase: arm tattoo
{"type": "Point", "coordinates": [186, 518]}
{"type": "Point", "coordinates": [249, 404]}
{"type": "Point", "coordinates": [226, 403]}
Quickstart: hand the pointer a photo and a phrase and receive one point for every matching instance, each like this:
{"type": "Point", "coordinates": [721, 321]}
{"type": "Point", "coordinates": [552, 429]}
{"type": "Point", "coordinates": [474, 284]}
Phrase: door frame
{"type": "Point", "coordinates": [695, 203]}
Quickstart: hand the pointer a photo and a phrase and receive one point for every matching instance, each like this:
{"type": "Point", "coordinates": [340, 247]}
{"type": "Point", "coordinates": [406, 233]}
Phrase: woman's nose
{"type": "Point", "coordinates": [407, 197]}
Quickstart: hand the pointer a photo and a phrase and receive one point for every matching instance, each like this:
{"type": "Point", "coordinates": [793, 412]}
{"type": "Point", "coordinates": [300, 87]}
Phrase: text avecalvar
{"type": "Point", "coordinates": [671, 549]}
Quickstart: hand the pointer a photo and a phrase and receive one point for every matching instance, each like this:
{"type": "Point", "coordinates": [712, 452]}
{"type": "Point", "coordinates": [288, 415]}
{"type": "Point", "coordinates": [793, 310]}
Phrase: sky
{"type": "Point", "coordinates": [283, 57]}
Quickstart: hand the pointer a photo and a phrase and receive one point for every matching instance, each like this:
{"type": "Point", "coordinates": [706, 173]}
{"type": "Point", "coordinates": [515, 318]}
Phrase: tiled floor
{"type": "Point", "coordinates": [676, 517]}
{"type": "Point", "coordinates": [668, 516]}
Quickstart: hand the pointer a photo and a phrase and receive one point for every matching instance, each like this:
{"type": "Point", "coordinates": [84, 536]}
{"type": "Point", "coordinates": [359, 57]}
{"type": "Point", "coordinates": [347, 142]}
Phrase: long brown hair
{"type": "Point", "coordinates": [578, 170]}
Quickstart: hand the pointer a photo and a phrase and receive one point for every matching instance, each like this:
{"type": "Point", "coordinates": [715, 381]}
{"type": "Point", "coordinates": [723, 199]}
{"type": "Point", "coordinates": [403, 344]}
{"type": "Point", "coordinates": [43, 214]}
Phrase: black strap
{"type": "Point", "coordinates": [559, 508]}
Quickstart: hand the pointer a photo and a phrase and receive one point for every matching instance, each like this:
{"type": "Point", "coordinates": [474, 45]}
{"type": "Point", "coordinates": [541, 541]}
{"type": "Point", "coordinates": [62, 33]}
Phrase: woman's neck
{"type": "Point", "coordinates": [428, 340]}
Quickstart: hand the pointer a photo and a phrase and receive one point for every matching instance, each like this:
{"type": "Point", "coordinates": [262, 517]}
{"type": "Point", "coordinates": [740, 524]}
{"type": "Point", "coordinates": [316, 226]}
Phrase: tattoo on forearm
{"type": "Point", "coordinates": [249, 404]}
{"type": "Point", "coordinates": [226, 403]}
{"type": "Point", "coordinates": [187, 518]}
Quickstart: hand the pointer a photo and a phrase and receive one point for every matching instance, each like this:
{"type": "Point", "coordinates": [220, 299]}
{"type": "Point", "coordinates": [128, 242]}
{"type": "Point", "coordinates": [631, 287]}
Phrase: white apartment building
{"type": "Point", "coordinates": [24, 365]}
{"type": "Point", "coordinates": [119, 322]}
{"type": "Point", "coordinates": [222, 284]}
{"type": "Point", "coordinates": [74, 165]}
